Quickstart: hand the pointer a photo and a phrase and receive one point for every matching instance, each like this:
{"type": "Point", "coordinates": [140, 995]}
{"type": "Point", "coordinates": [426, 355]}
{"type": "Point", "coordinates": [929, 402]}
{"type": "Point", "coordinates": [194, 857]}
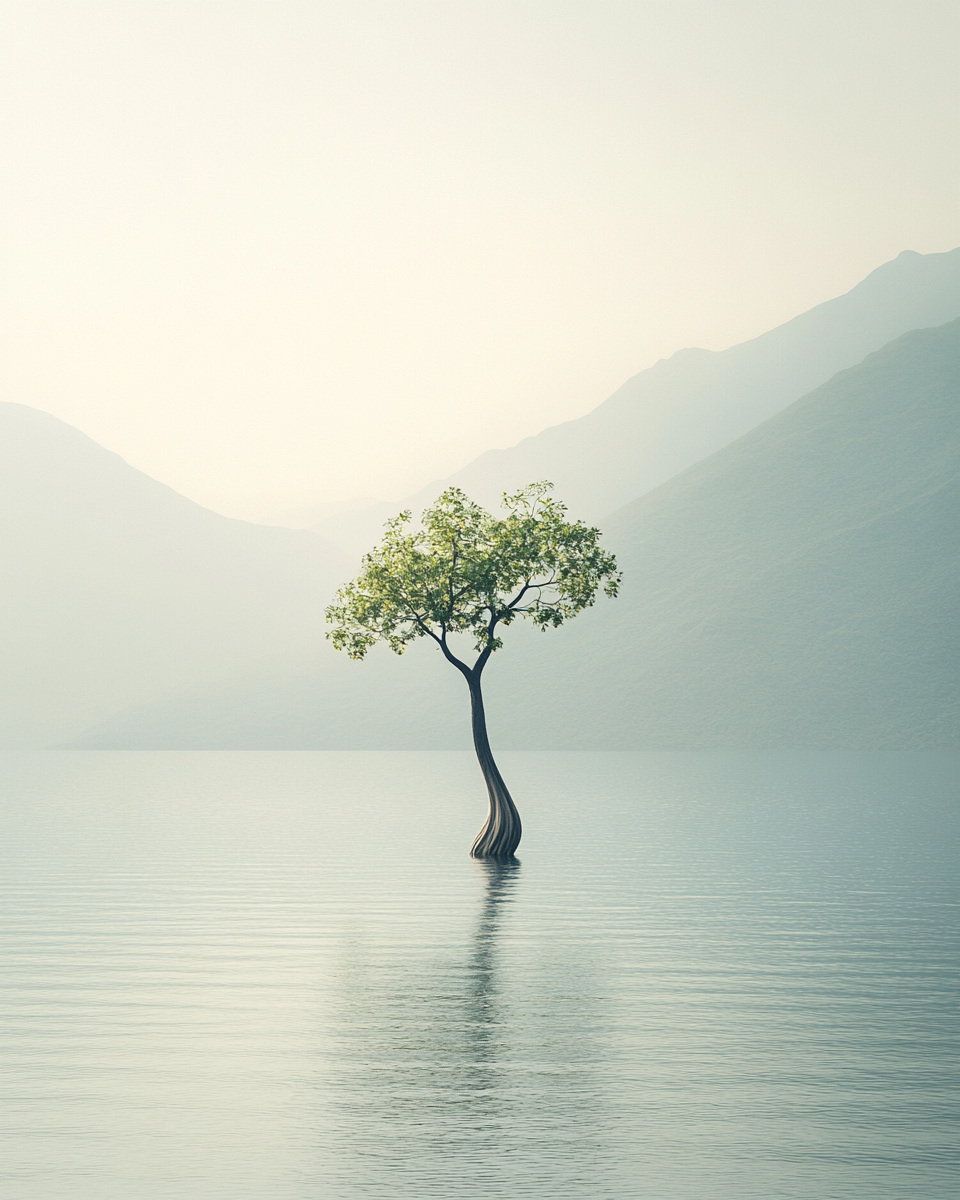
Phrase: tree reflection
{"type": "Point", "coordinates": [485, 1023]}
{"type": "Point", "coordinates": [419, 1075]}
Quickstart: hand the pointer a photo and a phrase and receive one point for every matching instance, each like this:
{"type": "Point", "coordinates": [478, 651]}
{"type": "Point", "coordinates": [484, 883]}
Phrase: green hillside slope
{"type": "Point", "coordinates": [115, 589]}
{"type": "Point", "coordinates": [799, 588]}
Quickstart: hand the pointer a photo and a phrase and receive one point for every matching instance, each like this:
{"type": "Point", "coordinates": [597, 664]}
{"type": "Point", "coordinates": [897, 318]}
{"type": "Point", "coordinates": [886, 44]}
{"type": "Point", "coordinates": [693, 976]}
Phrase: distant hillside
{"type": "Point", "coordinates": [687, 407]}
{"type": "Point", "coordinates": [799, 588]}
{"type": "Point", "coordinates": [116, 590]}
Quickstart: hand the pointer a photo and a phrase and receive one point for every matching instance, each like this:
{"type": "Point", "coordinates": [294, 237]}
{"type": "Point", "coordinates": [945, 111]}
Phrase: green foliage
{"type": "Point", "coordinates": [465, 571]}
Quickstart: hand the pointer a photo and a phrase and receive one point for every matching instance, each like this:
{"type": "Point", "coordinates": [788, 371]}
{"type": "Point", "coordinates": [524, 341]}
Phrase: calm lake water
{"type": "Point", "coordinates": [279, 976]}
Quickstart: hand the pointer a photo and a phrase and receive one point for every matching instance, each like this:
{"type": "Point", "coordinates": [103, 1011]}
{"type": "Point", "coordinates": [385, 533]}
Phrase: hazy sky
{"type": "Point", "coordinates": [276, 253]}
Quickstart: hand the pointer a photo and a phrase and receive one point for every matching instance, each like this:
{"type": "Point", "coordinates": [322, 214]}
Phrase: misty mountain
{"type": "Point", "coordinates": [799, 588]}
{"type": "Point", "coordinates": [116, 590]}
{"type": "Point", "coordinates": [692, 404]}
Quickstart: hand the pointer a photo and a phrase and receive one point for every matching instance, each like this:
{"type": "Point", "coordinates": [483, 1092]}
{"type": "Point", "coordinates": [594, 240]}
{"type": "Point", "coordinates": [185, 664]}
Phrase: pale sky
{"type": "Point", "coordinates": [286, 252]}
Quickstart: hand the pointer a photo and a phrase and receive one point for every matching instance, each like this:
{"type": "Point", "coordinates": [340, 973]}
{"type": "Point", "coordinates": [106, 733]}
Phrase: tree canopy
{"type": "Point", "coordinates": [464, 571]}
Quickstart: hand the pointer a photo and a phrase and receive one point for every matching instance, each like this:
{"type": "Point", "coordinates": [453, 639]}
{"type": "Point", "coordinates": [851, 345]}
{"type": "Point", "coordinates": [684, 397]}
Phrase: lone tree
{"type": "Point", "coordinates": [467, 572]}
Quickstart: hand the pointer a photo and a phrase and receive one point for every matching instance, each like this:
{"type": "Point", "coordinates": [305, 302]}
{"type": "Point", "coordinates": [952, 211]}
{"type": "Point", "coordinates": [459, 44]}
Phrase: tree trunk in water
{"type": "Point", "coordinates": [500, 837]}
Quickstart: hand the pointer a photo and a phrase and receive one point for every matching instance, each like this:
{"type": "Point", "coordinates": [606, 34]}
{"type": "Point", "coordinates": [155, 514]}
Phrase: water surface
{"type": "Point", "coordinates": [235, 975]}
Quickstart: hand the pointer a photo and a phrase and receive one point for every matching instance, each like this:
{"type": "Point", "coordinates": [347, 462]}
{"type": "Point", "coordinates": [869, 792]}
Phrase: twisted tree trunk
{"type": "Point", "coordinates": [500, 836]}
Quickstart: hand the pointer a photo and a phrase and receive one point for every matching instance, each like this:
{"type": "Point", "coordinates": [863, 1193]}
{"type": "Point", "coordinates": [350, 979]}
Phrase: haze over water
{"type": "Point", "coordinates": [279, 974]}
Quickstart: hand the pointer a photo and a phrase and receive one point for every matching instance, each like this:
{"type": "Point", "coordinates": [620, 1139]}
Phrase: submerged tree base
{"type": "Point", "coordinates": [500, 836]}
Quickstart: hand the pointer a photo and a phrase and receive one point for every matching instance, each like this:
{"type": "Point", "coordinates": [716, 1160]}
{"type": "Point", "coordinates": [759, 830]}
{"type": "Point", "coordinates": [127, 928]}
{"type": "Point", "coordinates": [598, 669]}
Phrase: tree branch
{"type": "Point", "coordinates": [485, 653]}
{"type": "Point", "coordinates": [529, 586]}
{"type": "Point", "coordinates": [449, 656]}
{"type": "Point", "coordinates": [418, 621]}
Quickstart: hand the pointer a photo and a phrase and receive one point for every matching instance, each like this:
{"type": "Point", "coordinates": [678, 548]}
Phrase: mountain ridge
{"type": "Point", "coordinates": [687, 406]}
{"type": "Point", "coordinates": [800, 588]}
{"type": "Point", "coordinates": [118, 588]}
